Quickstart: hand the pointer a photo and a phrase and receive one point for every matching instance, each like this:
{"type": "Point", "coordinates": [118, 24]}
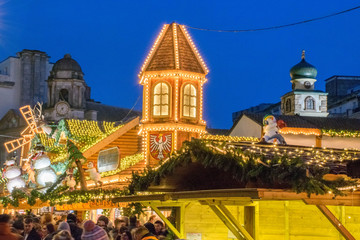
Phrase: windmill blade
{"type": "Point", "coordinates": [17, 143]}
{"type": "Point", "coordinates": [28, 115]}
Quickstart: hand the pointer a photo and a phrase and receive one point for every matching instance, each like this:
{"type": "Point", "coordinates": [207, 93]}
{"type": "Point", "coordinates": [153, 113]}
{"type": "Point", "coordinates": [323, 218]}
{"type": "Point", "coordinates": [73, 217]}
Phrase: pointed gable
{"type": "Point", "coordinates": [174, 50]}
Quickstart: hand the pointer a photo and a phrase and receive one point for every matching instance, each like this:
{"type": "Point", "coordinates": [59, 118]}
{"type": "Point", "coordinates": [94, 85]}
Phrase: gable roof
{"type": "Point", "coordinates": [85, 134]}
{"type": "Point", "coordinates": [174, 50]}
{"type": "Point", "coordinates": [297, 121]}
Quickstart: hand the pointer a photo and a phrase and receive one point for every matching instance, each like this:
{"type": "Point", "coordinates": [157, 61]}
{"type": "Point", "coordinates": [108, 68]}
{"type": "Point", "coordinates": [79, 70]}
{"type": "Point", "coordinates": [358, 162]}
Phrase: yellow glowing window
{"type": "Point", "coordinates": [189, 101]}
{"type": "Point", "coordinates": [161, 101]}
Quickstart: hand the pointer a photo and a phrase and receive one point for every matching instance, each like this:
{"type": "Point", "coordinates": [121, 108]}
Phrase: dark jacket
{"type": "Point", "coordinates": [76, 231]}
{"type": "Point", "coordinates": [33, 235]}
{"type": "Point", "coordinates": [150, 227]}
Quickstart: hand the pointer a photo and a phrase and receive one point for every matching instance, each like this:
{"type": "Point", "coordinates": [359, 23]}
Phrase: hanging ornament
{"type": "Point", "coordinates": [27, 168]}
{"type": "Point", "coordinates": [45, 175]}
{"type": "Point", "coordinates": [13, 174]}
{"type": "Point", "coordinates": [69, 180]}
{"type": "Point", "coordinates": [94, 175]}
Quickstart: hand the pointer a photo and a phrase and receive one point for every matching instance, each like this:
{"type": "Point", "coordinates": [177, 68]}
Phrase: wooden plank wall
{"type": "Point", "coordinates": [129, 144]}
{"type": "Point", "coordinates": [281, 220]}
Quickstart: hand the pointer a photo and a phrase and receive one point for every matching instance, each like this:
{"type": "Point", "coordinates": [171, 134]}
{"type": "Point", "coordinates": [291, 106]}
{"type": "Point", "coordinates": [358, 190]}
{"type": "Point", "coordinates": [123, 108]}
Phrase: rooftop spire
{"type": "Point", "coordinates": [303, 54]}
{"type": "Point", "coordinates": [174, 50]}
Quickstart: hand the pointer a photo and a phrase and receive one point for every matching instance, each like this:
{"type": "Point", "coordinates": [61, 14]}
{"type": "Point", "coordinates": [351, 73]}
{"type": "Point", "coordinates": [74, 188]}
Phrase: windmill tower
{"type": "Point", "coordinates": [172, 76]}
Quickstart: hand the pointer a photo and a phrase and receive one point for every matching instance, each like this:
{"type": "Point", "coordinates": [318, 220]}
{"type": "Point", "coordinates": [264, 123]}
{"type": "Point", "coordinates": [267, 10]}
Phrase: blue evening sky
{"type": "Point", "coordinates": [111, 38]}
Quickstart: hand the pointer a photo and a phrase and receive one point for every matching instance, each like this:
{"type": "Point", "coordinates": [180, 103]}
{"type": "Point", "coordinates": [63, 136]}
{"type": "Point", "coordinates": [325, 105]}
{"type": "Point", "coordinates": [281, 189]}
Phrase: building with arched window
{"type": "Point", "coordinates": [304, 100]}
{"type": "Point", "coordinates": [173, 76]}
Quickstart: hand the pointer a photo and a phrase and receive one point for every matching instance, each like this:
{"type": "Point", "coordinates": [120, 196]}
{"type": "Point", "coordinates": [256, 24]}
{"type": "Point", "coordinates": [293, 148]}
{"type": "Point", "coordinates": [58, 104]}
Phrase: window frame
{"type": "Point", "coordinates": [190, 96]}
{"type": "Point", "coordinates": [309, 98]}
{"type": "Point", "coordinates": [153, 100]}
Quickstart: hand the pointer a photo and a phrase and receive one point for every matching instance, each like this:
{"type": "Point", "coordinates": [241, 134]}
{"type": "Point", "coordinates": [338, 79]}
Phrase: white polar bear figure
{"type": "Point", "coordinates": [271, 130]}
{"type": "Point", "coordinates": [94, 175]}
{"type": "Point", "coordinates": [13, 174]}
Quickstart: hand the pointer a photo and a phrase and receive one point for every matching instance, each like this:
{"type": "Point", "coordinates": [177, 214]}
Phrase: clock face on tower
{"type": "Point", "coordinates": [307, 84]}
{"type": "Point", "coordinates": [62, 108]}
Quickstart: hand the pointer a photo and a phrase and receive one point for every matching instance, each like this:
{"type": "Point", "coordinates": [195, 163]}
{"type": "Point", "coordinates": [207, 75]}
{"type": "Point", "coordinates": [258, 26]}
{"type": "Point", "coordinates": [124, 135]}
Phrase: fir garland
{"type": "Point", "coordinates": [340, 133]}
{"type": "Point", "coordinates": [245, 167]}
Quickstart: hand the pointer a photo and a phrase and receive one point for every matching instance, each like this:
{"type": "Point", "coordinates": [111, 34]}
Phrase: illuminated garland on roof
{"type": "Point", "coordinates": [84, 133]}
{"type": "Point", "coordinates": [340, 133]}
{"type": "Point", "coordinates": [229, 138]}
{"type": "Point", "coordinates": [245, 167]}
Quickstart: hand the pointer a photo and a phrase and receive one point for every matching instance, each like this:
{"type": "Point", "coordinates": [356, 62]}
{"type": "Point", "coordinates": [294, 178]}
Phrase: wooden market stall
{"type": "Point", "coordinates": [213, 200]}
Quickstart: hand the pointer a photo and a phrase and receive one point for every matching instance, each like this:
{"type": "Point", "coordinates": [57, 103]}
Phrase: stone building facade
{"type": "Point", "coordinates": [23, 79]}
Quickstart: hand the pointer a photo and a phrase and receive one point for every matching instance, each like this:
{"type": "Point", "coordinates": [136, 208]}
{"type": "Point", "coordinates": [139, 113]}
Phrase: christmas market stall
{"type": "Point", "coordinates": [223, 187]}
{"type": "Point", "coordinates": [73, 164]}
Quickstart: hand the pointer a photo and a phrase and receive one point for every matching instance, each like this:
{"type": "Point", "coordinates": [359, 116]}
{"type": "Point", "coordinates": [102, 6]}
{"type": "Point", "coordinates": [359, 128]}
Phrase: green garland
{"type": "Point", "coordinates": [340, 133]}
{"type": "Point", "coordinates": [245, 168]}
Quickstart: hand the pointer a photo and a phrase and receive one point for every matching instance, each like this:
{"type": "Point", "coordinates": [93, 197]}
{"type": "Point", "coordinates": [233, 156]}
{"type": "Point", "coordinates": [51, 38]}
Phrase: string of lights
{"type": "Point", "coordinates": [275, 27]}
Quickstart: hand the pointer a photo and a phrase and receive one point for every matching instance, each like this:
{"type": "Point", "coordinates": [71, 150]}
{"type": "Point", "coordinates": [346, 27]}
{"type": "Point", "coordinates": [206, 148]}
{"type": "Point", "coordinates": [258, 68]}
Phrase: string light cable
{"type": "Point", "coordinates": [275, 27]}
{"type": "Point", "coordinates": [136, 102]}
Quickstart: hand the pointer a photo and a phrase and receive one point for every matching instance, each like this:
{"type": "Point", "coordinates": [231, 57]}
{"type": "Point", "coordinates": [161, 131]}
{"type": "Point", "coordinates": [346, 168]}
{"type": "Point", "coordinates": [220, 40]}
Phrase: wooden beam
{"type": "Point", "coordinates": [112, 137]}
{"type": "Point", "coordinates": [167, 222]}
{"type": "Point", "coordinates": [287, 222]}
{"type": "Point", "coordinates": [245, 202]}
{"type": "Point", "coordinates": [335, 222]}
{"type": "Point", "coordinates": [227, 223]}
{"type": "Point", "coordinates": [235, 222]}
{"type": "Point", "coordinates": [257, 220]}
{"type": "Point", "coordinates": [249, 220]}
{"type": "Point", "coordinates": [141, 198]}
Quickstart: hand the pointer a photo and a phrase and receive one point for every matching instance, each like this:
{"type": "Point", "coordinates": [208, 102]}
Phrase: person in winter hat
{"type": "Point", "coordinates": [93, 232]}
{"type": "Point", "coordinates": [64, 226]}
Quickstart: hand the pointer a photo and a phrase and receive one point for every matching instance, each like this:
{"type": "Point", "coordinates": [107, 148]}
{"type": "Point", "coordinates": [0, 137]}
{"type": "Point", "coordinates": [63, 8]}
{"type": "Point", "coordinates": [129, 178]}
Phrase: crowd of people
{"type": "Point", "coordinates": [69, 227]}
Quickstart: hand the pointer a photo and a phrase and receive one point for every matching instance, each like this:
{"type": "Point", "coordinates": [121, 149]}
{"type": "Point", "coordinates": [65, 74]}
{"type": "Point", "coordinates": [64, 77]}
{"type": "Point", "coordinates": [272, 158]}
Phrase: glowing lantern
{"type": "Point", "coordinates": [45, 175]}
{"type": "Point", "coordinates": [13, 174]}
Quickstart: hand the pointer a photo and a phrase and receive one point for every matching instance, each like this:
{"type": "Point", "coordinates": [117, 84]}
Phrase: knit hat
{"type": "Point", "coordinates": [89, 226]}
{"type": "Point", "coordinates": [97, 233]}
{"type": "Point", "coordinates": [64, 226]}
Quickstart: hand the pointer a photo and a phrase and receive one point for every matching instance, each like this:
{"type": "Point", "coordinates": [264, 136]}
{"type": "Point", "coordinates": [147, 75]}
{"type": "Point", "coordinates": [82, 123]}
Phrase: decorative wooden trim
{"type": "Point", "coordinates": [112, 137]}
{"type": "Point", "coordinates": [335, 222]}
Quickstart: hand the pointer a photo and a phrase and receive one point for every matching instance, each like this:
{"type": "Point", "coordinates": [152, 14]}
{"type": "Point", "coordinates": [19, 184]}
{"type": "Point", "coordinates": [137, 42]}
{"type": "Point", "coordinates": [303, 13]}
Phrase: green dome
{"type": "Point", "coordinates": [303, 70]}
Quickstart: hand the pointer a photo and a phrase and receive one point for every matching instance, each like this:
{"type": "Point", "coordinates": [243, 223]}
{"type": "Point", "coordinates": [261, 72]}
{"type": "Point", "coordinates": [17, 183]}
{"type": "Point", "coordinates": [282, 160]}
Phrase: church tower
{"type": "Point", "coordinates": [304, 100]}
{"type": "Point", "coordinates": [67, 91]}
{"type": "Point", "coordinates": [172, 76]}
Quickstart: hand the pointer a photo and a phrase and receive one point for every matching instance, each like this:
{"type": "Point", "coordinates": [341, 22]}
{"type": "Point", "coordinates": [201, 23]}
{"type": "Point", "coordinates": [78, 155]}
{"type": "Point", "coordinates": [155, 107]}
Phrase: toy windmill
{"type": "Point", "coordinates": [29, 132]}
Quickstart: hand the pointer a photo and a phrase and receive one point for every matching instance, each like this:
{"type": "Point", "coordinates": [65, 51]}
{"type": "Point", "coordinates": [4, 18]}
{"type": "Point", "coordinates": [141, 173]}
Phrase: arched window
{"type": "Point", "coordinates": [309, 103]}
{"type": "Point", "coordinates": [161, 101]}
{"type": "Point", "coordinates": [64, 95]}
{"type": "Point", "coordinates": [288, 105]}
{"type": "Point", "coordinates": [189, 101]}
